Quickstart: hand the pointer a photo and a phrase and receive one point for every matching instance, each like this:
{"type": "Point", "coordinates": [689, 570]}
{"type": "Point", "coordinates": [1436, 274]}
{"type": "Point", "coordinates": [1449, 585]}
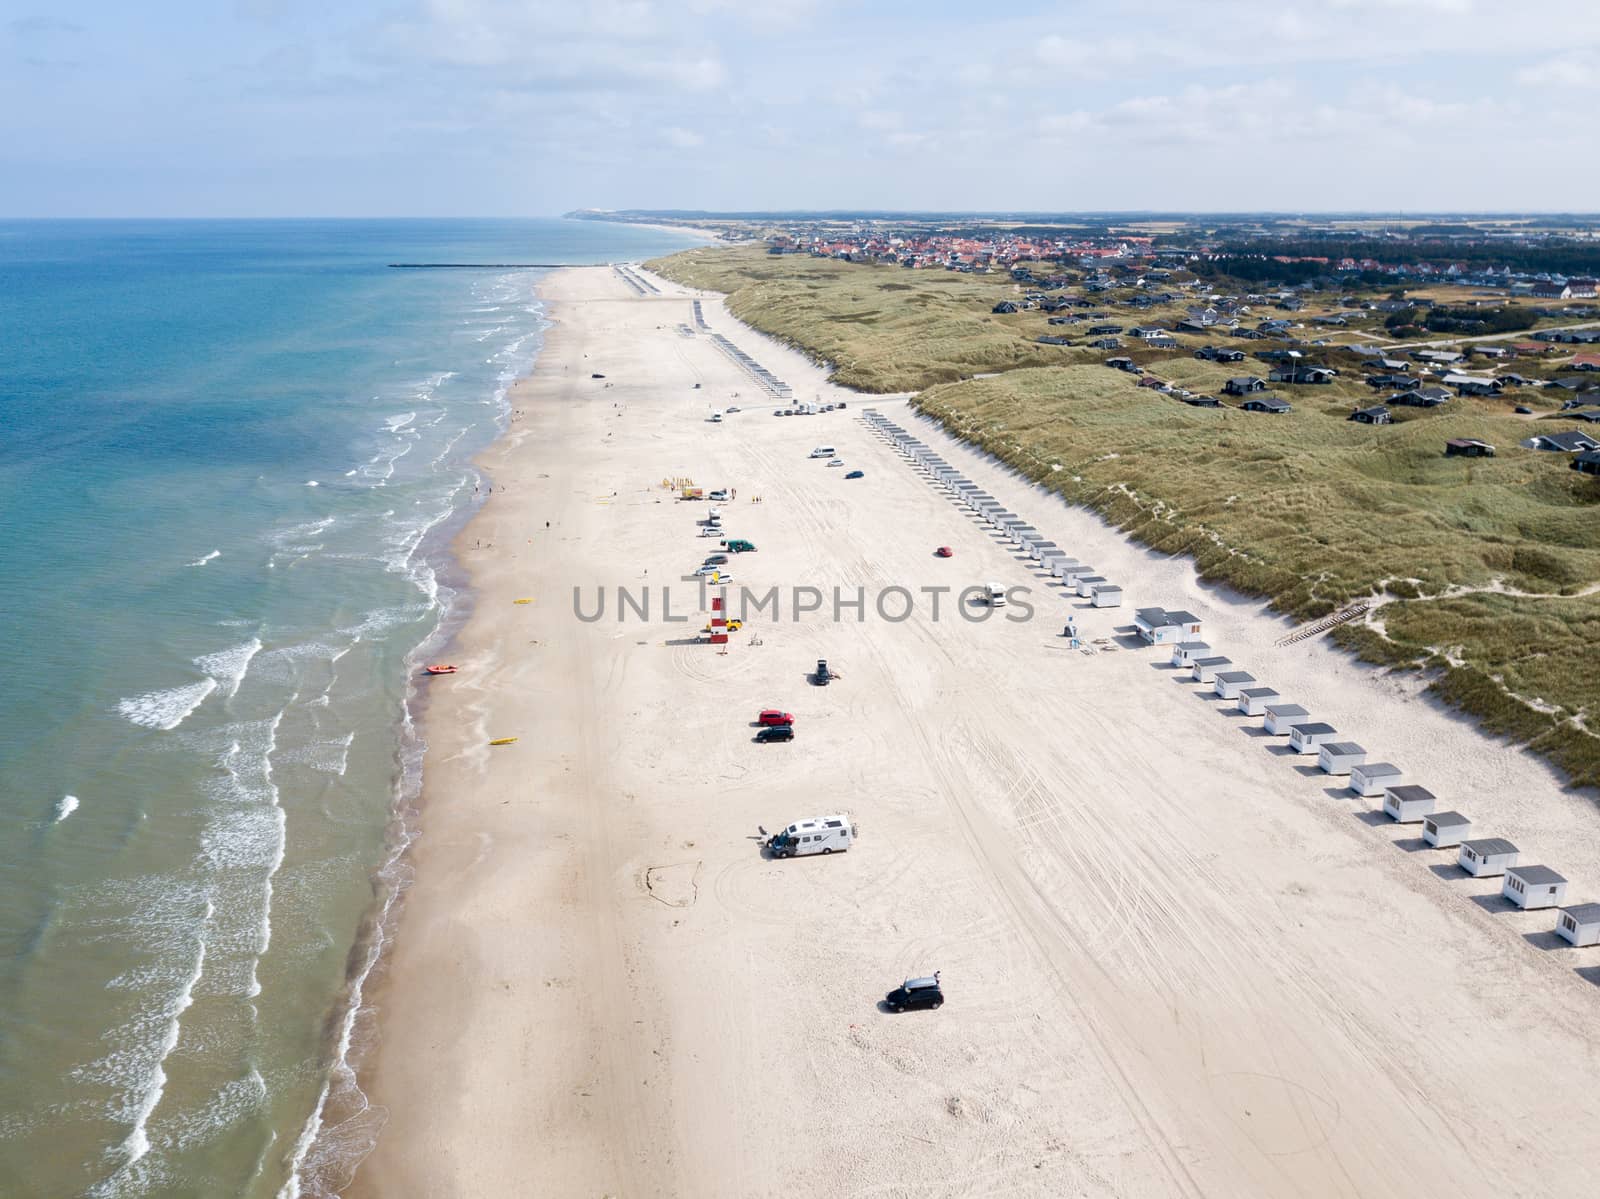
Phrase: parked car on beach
{"type": "Point", "coordinates": [856, 474]}
{"type": "Point", "coordinates": [776, 732]}
{"type": "Point", "coordinates": [774, 716]}
{"type": "Point", "coordinates": [915, 994]}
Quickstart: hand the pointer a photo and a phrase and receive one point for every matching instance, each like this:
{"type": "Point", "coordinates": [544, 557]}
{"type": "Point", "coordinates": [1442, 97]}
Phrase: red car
{"type": "Point", "coordinates": [944, 551]}
{"type": "Point", "coordinates": [772, 716]}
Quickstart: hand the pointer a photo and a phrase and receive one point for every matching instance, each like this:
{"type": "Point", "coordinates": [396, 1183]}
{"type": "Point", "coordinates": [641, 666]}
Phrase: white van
{"type": "Point", "coordinates": [825, 834]}
{"type": "Point", "coordinates": [714, 518]}
{"type": "Point", "coordinates": [824, 451]}
{"type": "Point", "coordinates": [716, 418]}
{"type": "Point", "coordinates": [997, 595]}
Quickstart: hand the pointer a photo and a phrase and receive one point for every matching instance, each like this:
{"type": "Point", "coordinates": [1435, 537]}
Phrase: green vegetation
{"type": "Point", "coordinates": [1487, 570]}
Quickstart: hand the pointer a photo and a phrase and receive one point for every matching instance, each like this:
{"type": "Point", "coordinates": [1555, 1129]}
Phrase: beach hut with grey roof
{"type": "Point", "coordinates": [1407, 804]}
{"type": "Point", "coordinates": [1072, 574]}
{"type": "Point", "coordinates": [1580, 924]}
{"type": "Point", "coordinates": [1205, 669]}
{"type": "Point", "coordinates": [1374, 778]}
{"type": "Point", "coordinates": [1107, 595]}
{"type": "Point", "coordinates": [1340, 757]}
{"type": "Point", "coordinates": [1086, 584]}
{"type": "Point", "coordinates": [1445, 830]}
{"type": "Point", "coordinates": [1228, 683]}
{"type": "Point", "coordinates": [1310, 736]}
{"type": "Point", "coordinates": [1282, 717]}
{"type": "Point", "coordinates": [1253, 701]}
{"type": "Point", "coordinates": [1158, 626]}
{"type": "Point", "coordinates": [1534, 887]}
{"type": "Point", "coordinates": [1185, 652]}
{"type": "Point", "coordinates": [1487, 858]}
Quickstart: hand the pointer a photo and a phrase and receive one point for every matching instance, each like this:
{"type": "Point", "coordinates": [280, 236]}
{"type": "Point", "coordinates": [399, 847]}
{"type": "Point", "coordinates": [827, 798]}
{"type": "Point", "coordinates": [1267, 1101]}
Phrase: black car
{"type": "Point", "coordinates": [915, 994]}
{"type": "Point", "coordinates": [717, 560]}
{"type": "Point", "coordinates": [856, 474]}
{"type": "Point", "coordinates": [776, 732]}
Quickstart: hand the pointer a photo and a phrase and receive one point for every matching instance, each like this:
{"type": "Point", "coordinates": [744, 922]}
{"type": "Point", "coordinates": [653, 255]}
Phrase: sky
{"type": "Point", "coordinates": [531, 108]}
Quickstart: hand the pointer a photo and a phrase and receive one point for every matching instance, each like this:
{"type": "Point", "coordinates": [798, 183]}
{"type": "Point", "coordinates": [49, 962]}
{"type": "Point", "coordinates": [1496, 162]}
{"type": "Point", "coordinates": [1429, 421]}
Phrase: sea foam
{"type": "Point", "coordinates": [166, 710]}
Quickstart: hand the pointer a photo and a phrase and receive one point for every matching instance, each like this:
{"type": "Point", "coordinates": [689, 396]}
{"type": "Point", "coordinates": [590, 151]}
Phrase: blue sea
{"type": "Point", "coordinates": [232, 456]}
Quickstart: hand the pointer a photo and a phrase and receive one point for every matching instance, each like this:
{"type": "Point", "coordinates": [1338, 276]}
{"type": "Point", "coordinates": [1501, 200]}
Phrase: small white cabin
{"type": "Point", "coordinates": [1407, 805]}
{"type": "Point", "coordinates": [1161, 627]}
{"type": "Point", "coordinates": [1040, 550]}
{"type": "Point", "coordinates": [1580, 923]}
{"type": "Point", "coordinates": [1253, 701]}
{"type": "Point", "coordinates": [1107, 596]}
{"type": "Point", "coordinates": [1087, 583]}
{"type": "Point", "coordinates": [1185, 652]}
{"type": "Point", "coordinates": [1487, 858]}
{"type": "Point", "coordinates": [1445, 830]}
{"type": "Point", "coordinates": [1073, 573]}
{"type": "Point", "coordinates": [1282, 717]}
{"type": "Point", "coordinates": [1309, 737]}
{"type": "Point", "coordinates": [1534, 887]}
{"type": "Point", "coordinates": [1340, 757]}
{"type": "Point", "coordinates": [1060, 566]}
{"type": "Point", "coordinates": [1374, 778]}
{"type": "Point", "coordinates": [1228, 683]}
{"type": "Point", "coordinates": [1205, 669]}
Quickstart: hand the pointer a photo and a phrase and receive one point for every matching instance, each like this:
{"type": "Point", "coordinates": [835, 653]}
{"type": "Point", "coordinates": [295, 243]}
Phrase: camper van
{"type": "Point", "coordinates": [825, 834]}
{"type": "Point", "coordinates": [824, 451]}
{"type": "Point", "coordinates": [997, 595]}
{"type": "Point", "coordinates": [714, 518]}
{"type": "Point", "coordinates": [716, 418]}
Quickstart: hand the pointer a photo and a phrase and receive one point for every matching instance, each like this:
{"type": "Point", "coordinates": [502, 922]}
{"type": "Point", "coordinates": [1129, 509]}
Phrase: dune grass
{"type": "Point", "coordinates": [1481, 569]}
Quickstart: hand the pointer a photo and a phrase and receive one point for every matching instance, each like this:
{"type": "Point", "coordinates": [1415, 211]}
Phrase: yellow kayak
{"type": "Point", "coordinates": [502, 741]}
{"type": "Point", "coordinates": [522, 601]}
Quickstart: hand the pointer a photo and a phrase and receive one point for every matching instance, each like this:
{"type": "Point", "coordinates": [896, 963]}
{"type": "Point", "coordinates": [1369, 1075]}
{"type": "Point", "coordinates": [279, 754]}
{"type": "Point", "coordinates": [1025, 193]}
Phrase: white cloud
{"type": "Point", "coordinates": [683, 139]}
{"type": "Point", "coordinates": [1560, 72]}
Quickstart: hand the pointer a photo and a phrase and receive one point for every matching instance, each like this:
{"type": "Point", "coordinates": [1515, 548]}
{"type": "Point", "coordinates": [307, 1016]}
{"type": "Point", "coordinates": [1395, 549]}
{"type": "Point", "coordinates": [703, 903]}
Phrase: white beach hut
{"type": "Point", "coordinates": [1487, 858]}
{"type": "Point", "coordinates": [1445, 830]}
{"type": "Point", "coordinates": [1407, 805]}
{"type": "Point", "coordinates": [1282, 717]}
{"type": "Point", "coordinates": [1580, 923]}
{"type": "Point", "coordinates": [1087, 583]}
{"type": "Point", "coordinates": [1107, 596]}
{"type": "Point", "coordinates": [1534, 887]}
{"type": "Point", "coordinates": [1340, 757]}
{"type": "Point", "coordinates": [1185, 652]}
{"type": "Point", "coordinates": [1253, 701]}
{"type": "Point", "coordinates": [1161, 627]}
{"type": "Point", "coordinates": [1040, 550]}
{"type": "Point", "coordinates": [1228, 683]}
{"type": "Point", "coordinates": [1071, 576]}
{"type": "Point", "coordinates": [1307, 737]}
{"type": "Point", "coordinates": [1205, 669]}
{"type": "Point", "coordinates": [1374, 778]}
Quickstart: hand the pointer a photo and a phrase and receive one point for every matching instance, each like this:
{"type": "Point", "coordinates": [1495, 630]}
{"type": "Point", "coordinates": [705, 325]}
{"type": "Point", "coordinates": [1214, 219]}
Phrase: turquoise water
{"type": "Point", "coordinates": [231, 458]}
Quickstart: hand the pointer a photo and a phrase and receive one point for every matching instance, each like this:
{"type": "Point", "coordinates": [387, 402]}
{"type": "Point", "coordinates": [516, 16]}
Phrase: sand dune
{"type": "Point", "coordinates": [1178, 962]}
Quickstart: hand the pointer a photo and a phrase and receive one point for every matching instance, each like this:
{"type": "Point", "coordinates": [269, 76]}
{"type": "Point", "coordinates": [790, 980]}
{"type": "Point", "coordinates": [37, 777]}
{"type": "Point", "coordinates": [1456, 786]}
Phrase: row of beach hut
{"type": "Point", "coordinates": [1076, 577]}
{"type": "Point", "coordinates": [1532, 887]}
{"type": "Point", "coordinates": [765, 379]}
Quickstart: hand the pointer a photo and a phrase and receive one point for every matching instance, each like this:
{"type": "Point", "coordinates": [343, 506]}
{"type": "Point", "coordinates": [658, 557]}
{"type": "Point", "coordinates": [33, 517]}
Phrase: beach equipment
{"type": "Point", "coordinates": [522, 601]}
{"type": "Point", "coordinates": [440, 669]}
{"type": "Point", "coordinates": [502, 741]}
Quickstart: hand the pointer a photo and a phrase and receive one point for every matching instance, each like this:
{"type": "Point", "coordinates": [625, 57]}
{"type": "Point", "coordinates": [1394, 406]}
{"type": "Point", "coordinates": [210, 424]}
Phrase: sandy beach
{"type": "Point", "coordinates": [1178, 960]}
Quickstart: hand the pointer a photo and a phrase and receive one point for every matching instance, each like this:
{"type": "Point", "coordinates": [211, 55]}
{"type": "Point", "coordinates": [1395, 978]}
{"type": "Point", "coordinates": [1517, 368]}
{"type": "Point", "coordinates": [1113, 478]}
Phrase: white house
{"type": "Point", "coordinates": [1185, 652]}
{"type": "Point", "coordinates": [1445, 830]}
{"type": "Point", "coordinates": [1580, 923]}
{"type": "Point", "coordinates": [1228, 683]}
{"type": "Point", "coordinates": [1374, 778]}
{"type": "Point", "coordinates": [1254, 700]}
{"type": "Point", "coordinates": [1107, 596]}
{"type": "Point", "coordinates": [1407, 805]}
{"type": "Point", "coordinates": [1487, 858]}
{"type": "Point", "coordinates": [1087, 583]}
{"type": "Point", "coordinates": [1205, 669]}
{"type": "Point", "coordinates": [1281, 717]}
{"type": "Point", "coordinates": [1160, 627]}
{"type": "Point", "coordinates": [1310, 736]}
{"type": "Point", "coordinates": [1534, 887]}
{"type": "Point", "coordinates": [1340, 757]}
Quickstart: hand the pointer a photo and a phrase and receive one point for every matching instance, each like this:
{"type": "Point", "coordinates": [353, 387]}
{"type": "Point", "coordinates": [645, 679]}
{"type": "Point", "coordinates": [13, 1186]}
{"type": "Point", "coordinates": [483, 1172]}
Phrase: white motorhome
{"type": "Point", "coordinates": [997, 595]}
{"type": "Point", "coordinates": [825, 834]}
{"type": "Point", "coordinates": [716, 417]}
{"type": "Point", "coordinates": [824, 451]}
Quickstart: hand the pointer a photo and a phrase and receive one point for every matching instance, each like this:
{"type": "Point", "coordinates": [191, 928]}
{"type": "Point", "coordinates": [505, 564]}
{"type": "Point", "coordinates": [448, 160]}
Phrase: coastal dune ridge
{"type": "Point", "coordinates": [1172, 952]}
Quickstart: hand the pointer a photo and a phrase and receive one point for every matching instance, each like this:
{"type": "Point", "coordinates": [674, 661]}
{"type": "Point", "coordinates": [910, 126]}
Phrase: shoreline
{"type": "Point", "coordinates": [575, 891]}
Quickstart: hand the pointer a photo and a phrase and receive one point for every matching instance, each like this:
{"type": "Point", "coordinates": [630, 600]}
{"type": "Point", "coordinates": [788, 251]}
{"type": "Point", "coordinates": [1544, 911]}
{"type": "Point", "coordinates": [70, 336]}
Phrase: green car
{"type": "Point", "coordinates": [740, 546]}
